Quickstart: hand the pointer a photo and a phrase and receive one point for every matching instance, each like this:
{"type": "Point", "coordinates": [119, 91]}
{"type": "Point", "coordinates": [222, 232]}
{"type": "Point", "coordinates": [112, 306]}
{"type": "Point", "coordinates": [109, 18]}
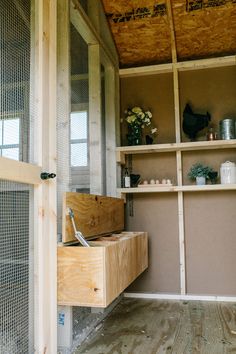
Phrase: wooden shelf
{"type": "Point", "coordinates": [158, 148]}
{"type": "Point", "coordinates": [186, 188]}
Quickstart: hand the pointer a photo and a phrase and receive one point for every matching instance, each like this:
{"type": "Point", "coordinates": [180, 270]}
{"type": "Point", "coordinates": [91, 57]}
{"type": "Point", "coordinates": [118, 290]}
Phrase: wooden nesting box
{"type": "Point", "coordinates": [94, 276]}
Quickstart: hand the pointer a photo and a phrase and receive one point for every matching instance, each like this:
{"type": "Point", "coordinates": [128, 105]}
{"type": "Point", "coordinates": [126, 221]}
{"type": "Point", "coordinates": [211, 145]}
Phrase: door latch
{"type": "Point", "coordinates": [47, 175]}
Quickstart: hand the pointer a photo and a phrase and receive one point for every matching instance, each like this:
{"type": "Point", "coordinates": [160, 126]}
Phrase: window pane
{"type": "Point", "coordinates": [79, 125]}
{"type": "Point", "coordinates": [11, 153]}
{"type": "Point", "coordinates": [11, 131]}
{"type": "Point", "coordinates": [79, 155]}
{"type": "Point", "coordinates": [0, 132]}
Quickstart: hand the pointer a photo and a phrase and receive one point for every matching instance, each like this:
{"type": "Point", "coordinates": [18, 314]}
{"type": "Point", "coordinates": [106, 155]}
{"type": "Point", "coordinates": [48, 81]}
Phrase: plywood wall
{"type": "Point", "coordinates": [212, 90]}
{"type": "Point", "coordinates": [210, 218]}
{"type": "Point", "coordinates": [158, 215]}
{"type": "Point", "coordinates": [210, 223]}
{"type": "Point", "coordinates": [154, 92]}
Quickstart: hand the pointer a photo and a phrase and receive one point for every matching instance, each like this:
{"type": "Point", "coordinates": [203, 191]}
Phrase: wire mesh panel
{"type": "Point", "coordinates": [79, 132]}
{"type": "Point", "coordinates": [16, 269]}
{"type": "Point", "coordinates": [16, 130]}
{"type": "Point", "coordinates": [16, 115]}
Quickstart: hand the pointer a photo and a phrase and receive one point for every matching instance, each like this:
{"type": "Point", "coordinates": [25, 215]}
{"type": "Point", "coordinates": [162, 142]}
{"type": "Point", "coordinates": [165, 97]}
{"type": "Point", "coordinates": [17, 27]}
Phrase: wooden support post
{"type": "Point", "coordinates": [111, 178]}
{"type": "Point", "coordinates": [45, 233]}
{"type": "Point", "coordinates": [63, 105]}
{"type": "Point", "coordinates": [172, 31]}
{"type": "Point", "coordinates": [181, 243]}
{"type": "Point", "coordinates": [95, 128]}
{"type": "Point", "coordinates": [178, 153]}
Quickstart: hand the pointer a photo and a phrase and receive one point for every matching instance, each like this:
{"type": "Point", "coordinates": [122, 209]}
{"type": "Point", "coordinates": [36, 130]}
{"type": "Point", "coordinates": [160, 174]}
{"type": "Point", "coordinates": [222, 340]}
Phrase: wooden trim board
{"type": "Point", "coordinates": [95, 276]}
{"type": "Point", "coordinates": [23, 172]}
{"type": "Point", "coordinates": [180, 297]}
{"type": "Point", "coordinates": [94, 215]}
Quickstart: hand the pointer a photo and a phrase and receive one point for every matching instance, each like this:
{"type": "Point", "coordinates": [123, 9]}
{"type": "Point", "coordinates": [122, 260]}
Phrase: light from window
{"type": "Point", "coordinates": [11, 131]}
{"type": "Point", "coordinates": [12, 153]}
{"type": "Point", "coordinates": [78, 125]}
{"type": "Point", "coordinates": [79, 139]}
{"type": "Point", "coordinates": [10, 138]}
{"type": "Point", "coordinates": [79, 154]}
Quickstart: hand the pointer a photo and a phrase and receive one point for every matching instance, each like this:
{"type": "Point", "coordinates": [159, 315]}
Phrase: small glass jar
{"type": "Point", "coordinates": [211, 134]}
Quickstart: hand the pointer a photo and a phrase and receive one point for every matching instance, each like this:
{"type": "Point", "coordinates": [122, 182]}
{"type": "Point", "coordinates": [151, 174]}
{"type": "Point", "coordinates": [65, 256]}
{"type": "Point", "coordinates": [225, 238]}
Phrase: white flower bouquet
{"type": "Point", "coordinates": [138, 119]}
{"type": "Point", "coordinates": [136, 116]}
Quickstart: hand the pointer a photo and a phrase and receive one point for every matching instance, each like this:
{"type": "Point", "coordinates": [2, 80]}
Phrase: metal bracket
{"type": "Point", "coordinates": [78, 234]}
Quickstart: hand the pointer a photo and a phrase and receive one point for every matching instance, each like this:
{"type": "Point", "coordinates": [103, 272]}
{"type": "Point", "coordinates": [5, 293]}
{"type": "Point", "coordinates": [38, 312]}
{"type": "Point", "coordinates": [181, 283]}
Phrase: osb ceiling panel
{"type": "Point", "coordinates": [141, 29]}
{"type": "Point", "coordinates": [203, 29]}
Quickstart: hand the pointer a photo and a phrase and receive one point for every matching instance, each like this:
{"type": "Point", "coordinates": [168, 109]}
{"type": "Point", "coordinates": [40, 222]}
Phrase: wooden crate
{"type": "Point", "coordinates": [95, 276]}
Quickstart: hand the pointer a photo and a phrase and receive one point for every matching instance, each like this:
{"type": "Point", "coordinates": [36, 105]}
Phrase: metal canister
{"type": "Point", "coordinates": [227, 129]}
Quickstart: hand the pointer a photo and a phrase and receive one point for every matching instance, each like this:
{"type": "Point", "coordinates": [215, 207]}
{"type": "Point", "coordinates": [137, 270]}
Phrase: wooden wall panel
{"type": "Point", "coordinates": [213, 158]}
{"type": "Point", "coordinates": [212, 90]}
{"type": "Point", "coordinates": [94, 215]}
{"type": "Point", "coordinates": [210, 225]}
{"type": "Point", "coordinates": [158, 215]}
{"type": "Point", "coordinates": [153, 92]}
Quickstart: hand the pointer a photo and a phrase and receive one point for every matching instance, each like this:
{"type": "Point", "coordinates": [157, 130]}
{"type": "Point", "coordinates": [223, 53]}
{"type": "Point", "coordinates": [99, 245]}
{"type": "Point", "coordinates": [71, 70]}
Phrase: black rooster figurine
{"type": "Point", "coordinates": [193, 122]}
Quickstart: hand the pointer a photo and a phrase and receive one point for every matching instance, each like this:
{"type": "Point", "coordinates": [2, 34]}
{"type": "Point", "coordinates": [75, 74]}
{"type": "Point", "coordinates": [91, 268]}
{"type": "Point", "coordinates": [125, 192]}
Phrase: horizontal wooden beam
{"type": "Point", "coordinates": [146, 70]}
{"type": "Point", "coordinates": [206, 63]}
{"type": "Point", "coordinates": [180, 66]}
{"type": "Point", "coordinates": [23, 172]}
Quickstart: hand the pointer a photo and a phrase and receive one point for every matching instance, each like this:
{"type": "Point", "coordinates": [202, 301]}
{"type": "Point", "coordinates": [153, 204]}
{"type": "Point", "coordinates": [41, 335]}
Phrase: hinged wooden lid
{"type": "Point", "coordinates": [94, 215]}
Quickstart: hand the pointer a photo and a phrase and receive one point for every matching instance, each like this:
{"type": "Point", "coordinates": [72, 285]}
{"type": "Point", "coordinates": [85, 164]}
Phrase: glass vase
{"type": "Point", "coordinates": [134, 135]}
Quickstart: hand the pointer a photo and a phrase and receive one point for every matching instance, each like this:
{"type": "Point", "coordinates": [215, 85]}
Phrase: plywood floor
{"type": "Point", "coordinates": [151, 326]}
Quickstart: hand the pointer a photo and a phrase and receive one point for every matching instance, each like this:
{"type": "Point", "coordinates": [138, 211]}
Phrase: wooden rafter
{"type": "Point", "coordinates": [172, 31]}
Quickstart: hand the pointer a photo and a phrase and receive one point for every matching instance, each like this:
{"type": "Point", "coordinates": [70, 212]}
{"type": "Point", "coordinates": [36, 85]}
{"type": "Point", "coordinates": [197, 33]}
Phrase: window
{"type": "Point", "coordinates": [79, 139]}
{"type": "Point", "coordinates": [10, 138]}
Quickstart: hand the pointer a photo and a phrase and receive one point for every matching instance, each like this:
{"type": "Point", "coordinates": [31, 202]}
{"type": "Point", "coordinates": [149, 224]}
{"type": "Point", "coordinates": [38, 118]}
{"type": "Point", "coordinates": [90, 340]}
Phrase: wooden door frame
{"type": "Point", "coordinates": [44, 215]}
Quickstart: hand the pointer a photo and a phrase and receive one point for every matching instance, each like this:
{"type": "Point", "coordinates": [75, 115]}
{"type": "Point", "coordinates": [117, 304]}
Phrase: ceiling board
{"type": "Point", "coordinates": [207, 32]}
{"type": "Point", "coordinates": [141, 31]}
{"type": "Point", "coordinates": [203, 28]}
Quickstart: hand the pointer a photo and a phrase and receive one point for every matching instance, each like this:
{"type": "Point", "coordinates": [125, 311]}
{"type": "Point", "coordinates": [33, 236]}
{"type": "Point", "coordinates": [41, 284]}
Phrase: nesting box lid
{"type": "Point", "coordinates": [94, 215]}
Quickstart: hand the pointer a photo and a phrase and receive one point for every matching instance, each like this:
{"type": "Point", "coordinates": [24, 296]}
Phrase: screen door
{"type": "Point", "coordinates": [25, 56]}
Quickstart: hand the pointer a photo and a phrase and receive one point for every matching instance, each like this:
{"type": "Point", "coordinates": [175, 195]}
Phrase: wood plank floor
{"type": "Point", "coordinates": [139, 326]}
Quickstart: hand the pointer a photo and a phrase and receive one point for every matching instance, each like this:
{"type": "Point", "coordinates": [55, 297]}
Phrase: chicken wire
{"type": "Point", "coordinates": [16, 269]}
{"type": "Point", "coordinates": [72, 126]}
{"type": "Point", "coordinates": [16, 128]}
{"type": "Point", "coordinates": [16, 105]}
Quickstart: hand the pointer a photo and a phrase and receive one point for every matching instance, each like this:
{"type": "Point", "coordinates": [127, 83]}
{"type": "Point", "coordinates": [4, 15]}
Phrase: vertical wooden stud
{"type": "Point", "coordinates": [63, 104]}
{"type": "Point", "coordinates": [178, 153]}
{"type": "Point", "coordinates": [110, 130]}
{"type": "Point", "coordinates": [95, 128]}
{"type": "Point", "coordinates": [45, 194]}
